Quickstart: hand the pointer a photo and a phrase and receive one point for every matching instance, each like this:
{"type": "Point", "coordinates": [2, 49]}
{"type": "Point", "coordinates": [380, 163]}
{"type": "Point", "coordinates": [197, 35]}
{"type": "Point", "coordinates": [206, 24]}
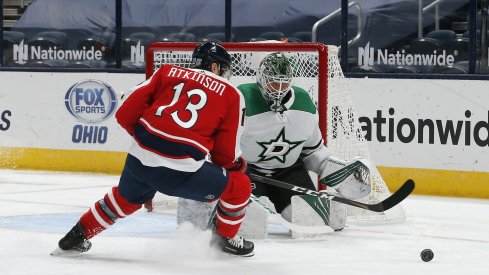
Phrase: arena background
{"type": "Point", "coordinates": [37, 95]}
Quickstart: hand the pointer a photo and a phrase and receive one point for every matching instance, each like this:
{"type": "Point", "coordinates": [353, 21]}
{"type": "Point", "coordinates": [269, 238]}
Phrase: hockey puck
{"type": "Point", "coordinates": [427, 255]}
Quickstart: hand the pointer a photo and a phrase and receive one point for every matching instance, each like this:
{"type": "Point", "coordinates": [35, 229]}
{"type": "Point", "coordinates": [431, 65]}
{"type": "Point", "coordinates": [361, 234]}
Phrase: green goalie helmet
{"type": "Point", "coordinates": [274, 76]}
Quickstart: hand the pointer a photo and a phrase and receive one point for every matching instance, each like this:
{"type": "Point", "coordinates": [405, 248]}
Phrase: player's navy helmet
{"type": "Point", "coordinates": [210, 52]}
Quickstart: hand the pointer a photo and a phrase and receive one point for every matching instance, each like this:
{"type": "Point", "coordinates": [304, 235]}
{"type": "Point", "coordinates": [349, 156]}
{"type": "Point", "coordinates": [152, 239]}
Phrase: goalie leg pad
{"type": "Point", "coordinates": [194, 212]}
{"type": "Point", "coordinates": [337, 218]}
{"type": "Point", "coordinates": [230, 207]}
{"type": "Point", "coordinates": [255, 223]}
{"type": "Point", "coordinates": [308, 210]}
{"type": "Point", "coordinates": [351, 179]}
{"type": "Point", "coordinates": [313, 211]}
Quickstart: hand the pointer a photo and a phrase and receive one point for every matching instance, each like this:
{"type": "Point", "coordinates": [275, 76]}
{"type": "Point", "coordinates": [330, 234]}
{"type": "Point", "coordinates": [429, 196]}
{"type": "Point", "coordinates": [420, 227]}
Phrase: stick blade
{"type": "Point", "coordinates": [399, 195]}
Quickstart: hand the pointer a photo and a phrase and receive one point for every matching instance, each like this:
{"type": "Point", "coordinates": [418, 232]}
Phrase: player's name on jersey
{"type": "Point", "coordinates": [211, 83]}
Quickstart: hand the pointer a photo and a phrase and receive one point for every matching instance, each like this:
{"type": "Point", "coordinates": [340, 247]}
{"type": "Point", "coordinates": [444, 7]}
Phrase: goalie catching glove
{"type": "Point", "coordinates": [351, 179]}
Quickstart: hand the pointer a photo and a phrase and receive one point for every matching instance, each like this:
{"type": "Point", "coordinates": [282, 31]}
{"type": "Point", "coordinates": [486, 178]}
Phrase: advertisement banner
{"type": "Point", "coordinates": [433, 131]}
{"type": "Point", "coordinates": [63, 120]}
{"type": "Point", "coordinates": [425, 123]}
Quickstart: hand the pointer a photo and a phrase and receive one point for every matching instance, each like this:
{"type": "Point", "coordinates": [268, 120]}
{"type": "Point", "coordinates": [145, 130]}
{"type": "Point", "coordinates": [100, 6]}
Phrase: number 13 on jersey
{"type": "Point", "coordinates": [191, 107]}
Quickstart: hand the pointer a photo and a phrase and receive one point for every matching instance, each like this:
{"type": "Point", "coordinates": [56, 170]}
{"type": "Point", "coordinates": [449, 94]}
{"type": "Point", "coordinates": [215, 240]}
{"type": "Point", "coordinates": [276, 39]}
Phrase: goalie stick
{"type": "Point", "coordinates": [386, 204]}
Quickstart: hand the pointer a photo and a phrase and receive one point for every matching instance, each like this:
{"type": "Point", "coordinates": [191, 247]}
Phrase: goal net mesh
{"type": "Point", "coordinates": [317, 70]}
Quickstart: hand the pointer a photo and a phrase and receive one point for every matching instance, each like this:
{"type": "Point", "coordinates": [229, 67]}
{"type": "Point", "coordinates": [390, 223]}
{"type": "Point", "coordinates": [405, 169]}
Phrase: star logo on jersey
{"type": "Point", "coordinates": [277, 148]}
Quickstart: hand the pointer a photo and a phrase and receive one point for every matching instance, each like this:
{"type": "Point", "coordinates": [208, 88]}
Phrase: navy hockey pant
{"type": "Point", "coordinates": [139, 183]}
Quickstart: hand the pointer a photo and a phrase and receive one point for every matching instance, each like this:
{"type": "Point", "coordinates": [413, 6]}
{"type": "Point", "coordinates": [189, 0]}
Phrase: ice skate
{"type": "Point", "coordinates": [73, 243]}
{"type": "Point", "coordinates": [235, 246]}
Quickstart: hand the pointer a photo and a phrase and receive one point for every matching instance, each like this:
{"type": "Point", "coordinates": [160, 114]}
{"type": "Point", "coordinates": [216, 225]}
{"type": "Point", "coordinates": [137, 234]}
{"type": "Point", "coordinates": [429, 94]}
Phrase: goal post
{"type": "Point", "coordinates": [316, 69]}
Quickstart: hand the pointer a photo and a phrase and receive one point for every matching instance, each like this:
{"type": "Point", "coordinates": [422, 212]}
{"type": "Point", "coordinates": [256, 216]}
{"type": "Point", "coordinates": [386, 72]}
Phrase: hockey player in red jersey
{"type": "Point", "coordinates": [178, 117]}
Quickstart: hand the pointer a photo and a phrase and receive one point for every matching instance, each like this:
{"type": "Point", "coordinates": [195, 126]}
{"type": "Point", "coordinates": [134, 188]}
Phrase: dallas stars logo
{"type": "Point", "coordinates": [277, 148]}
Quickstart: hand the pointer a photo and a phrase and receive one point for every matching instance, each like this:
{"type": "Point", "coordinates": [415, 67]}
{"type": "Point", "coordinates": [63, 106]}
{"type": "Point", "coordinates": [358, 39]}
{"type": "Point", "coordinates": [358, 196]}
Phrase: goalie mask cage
{"type": "Point", "coordinates": [317, 70]}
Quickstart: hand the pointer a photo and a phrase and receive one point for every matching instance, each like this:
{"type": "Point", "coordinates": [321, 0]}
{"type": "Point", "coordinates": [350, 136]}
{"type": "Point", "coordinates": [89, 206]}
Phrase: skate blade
{"type": "Point", "coordinates": [251, 254]}
{"type": "Point", "coordinates": [58, 252]}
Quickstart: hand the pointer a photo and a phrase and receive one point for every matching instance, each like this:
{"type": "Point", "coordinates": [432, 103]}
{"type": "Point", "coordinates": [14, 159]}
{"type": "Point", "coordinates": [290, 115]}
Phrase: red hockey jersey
{"type": "Point", "coordinates": [179, 115]}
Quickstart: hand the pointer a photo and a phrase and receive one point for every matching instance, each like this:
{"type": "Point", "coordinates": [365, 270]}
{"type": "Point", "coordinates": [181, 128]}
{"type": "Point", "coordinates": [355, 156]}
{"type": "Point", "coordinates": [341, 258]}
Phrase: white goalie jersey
{"type": "Point", "coordinates": [276, 140]}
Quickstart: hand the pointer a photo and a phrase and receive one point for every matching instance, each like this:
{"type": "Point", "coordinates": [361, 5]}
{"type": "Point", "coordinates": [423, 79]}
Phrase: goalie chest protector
{"type": "Point", "coordinates": [274, 140]}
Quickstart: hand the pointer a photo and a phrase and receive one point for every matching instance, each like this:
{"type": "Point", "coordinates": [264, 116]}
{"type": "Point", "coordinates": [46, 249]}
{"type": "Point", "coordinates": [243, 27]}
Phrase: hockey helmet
{"type": "Point", "coordinates": [210, 52]}
{"type": "Point", "coordinates": [274, 76]}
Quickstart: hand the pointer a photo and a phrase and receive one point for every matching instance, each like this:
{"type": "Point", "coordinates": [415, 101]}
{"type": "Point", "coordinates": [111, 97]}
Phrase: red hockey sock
{"type": "Point", "coordinates": [232, 204]}
{"type": "Point", "coordinates": [105, 213]}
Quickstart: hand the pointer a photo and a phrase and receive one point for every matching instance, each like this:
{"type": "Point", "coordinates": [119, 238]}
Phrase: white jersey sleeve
{"type": "Point", "coordinates": [314, 153]}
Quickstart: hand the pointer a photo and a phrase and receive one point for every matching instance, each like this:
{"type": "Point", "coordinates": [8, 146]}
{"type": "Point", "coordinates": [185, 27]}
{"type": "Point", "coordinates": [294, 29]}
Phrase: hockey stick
{"type": "Point", "coordinates": [386, 204]}
{"type": "Point", "coordinates": [305, 229]}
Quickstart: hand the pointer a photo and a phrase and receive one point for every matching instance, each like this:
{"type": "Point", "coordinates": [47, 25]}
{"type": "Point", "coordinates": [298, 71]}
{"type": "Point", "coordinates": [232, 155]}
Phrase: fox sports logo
{"type": "Point", "coordinates": [91, 101]}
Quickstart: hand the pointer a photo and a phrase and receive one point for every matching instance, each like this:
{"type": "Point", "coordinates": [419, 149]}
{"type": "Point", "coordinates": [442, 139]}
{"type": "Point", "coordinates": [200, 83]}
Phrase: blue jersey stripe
{"type": "Point", "coordinates": [166, 147]}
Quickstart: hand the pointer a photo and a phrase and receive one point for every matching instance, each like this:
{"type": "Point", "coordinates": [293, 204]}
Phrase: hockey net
{"type": "Point", "coordinates": [316, 70]}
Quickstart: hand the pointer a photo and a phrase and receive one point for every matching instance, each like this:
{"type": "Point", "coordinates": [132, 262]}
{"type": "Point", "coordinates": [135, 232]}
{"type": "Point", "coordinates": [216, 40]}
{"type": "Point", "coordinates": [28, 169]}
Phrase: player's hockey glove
{"type": "Point", "coordinates": [239, 165]}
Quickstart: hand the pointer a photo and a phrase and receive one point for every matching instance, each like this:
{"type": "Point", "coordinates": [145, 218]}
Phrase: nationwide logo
{"type": "Point", "coordinates": [23, 53]}
{"type": "Point", "coordinates": [367, 57]}
{"type": "Point", "coordinates": [91, 101]}
{"type": "Point", "coordinates": [389, 128]}
{"type": "Point", "coordinates": [137, 54]}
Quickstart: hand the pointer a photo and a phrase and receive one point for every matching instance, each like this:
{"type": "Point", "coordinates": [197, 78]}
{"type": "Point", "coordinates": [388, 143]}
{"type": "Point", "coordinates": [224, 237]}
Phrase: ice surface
{"type": "Point", "coordinates": [38, 208]}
